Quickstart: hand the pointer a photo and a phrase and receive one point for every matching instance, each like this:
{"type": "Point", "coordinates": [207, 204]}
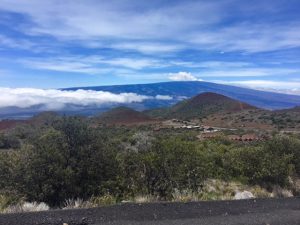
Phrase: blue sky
{"type": "Point", "coordinates": [54, 43]}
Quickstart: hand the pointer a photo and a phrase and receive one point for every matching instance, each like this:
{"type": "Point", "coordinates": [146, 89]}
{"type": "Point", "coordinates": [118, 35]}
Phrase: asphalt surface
{"type": "Point", "coordinates": [242, 212]}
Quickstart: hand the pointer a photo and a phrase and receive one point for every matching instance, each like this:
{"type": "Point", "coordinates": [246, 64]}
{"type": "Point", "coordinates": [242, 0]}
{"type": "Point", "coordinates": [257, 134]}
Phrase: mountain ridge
{"type": "Point", "coordinates": [210, 108]}
{"type": "Point", "coordinates": [174, 91]}
{"type": "Point", "coordinates": [188, 89]}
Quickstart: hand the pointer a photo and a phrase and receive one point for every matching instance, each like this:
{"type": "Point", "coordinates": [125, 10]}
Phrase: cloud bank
{"type": "Point", "coordinates": [53, 99]}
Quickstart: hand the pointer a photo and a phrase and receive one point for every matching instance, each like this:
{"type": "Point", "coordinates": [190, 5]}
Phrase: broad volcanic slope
{"type": "Point", "coordinates": [188, 89]}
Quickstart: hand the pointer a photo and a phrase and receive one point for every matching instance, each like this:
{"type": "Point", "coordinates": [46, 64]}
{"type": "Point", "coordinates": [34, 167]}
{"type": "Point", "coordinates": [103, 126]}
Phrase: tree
{"type": "Point", "coordinates": [69, 162]}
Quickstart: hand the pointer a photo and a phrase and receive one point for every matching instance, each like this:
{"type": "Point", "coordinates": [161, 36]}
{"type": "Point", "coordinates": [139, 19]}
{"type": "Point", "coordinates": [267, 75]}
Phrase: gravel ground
{"type": "Point", "coordinates": [243, 212]}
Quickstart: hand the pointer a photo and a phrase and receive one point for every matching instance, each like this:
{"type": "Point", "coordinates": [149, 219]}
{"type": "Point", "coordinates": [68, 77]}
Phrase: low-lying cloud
{"type": "Point", "coordinates": [53, 99]}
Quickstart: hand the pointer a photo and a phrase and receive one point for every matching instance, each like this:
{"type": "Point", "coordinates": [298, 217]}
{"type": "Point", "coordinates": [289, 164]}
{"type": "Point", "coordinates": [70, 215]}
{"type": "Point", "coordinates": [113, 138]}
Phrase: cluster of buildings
{"type": "Point", "coordinates": [184, 124]}
{"type": "Point", "coordinates": [238, 138]}
{"type": "Point", "coordinates": [209, 132]}
{"type": "Point", "coordinates": [245, 138]}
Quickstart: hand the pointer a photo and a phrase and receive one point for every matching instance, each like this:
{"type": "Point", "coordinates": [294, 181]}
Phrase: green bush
{"type": "Point", "coordinates": [170, 164]}
{"type": "Point", "coordinates": [62, 164]}
{"type": "Point", "coordinates": [70, 159]}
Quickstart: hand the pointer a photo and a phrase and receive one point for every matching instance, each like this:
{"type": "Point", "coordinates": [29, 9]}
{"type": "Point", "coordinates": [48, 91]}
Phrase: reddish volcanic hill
{"type": "Point", "coordinates": [208, 103]}
{"type": "Point", "coordinates": [123, 116]}
{"type": "Point", "coordinates": [44, 118]}
{"type": "Point", "coordinates": [213, 100]}
{"type": "Point", "coordinates": [9, 124]}
{"type": "Point", "coordinates": [202, 105]}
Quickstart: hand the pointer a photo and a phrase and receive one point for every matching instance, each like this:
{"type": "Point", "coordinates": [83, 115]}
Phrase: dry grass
{"type": "Point", "coordinates": [221, 190]}
{"type": "Point", "coordinates": [27, 207]}
{"type": "Point", "coordinates": [145, 199]}
{"type": "Point", "coordinates": [185, 196]}
{"type": "Point", "coordinates": [212, 189]}
{"type": "Point", "coordinates": [98, 201]}
{"type": "Point", "coordinates": [77, 204]}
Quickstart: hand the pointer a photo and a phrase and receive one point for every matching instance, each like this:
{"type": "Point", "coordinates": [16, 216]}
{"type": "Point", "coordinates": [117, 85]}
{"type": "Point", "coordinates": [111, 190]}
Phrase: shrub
{"type": "Point", "coordinates": [258, 165]}
{"type": "Point", "coordinates": [71, 160]}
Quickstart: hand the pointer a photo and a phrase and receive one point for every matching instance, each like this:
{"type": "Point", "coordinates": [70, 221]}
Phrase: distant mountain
{"type": "Point", "coordinates": [122, 116]}
{"type": "Point", "coordinates": [187, 89]}
{"type": "Point", "coordinates": [172, 92]}
{"type": "Point", "coordinates": [290, 110]}
{"type": "Point", "coordinates": [201, 106]}
{"type": "Point", "coordinates": [212, 109]}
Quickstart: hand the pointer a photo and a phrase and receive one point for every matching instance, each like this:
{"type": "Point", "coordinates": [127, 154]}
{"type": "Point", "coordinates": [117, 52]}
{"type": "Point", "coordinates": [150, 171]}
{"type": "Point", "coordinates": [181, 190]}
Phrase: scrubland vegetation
{"type": "Point", "coordinates": [66, 162]}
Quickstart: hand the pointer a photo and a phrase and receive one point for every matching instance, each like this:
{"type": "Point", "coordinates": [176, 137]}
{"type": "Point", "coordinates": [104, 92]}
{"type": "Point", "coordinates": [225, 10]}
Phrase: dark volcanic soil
{"type": "Point", "coordinates": [244, 212]}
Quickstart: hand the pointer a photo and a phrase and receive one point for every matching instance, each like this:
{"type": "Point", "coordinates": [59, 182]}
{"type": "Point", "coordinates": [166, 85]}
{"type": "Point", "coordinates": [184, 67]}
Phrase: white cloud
{"type": "Point", "coordinates": [92, 64]}
{"type": "Point", "coordinates": [249, 72]}
{"type": "Point", "coordinates": [183, 76]}
{"type": "Point", "coordinates": [64, 65]}
{"type": "Point", "coordinates": [53, 99]}
{"type": "Point", "coordinates": [293, 91]}
{"type": "Point", "coordinates": [133, 63]}
{"type": "Point", "coordinates": [75, 19]}
{"type": "Point", "coordinates": [223, 64]}
{"type": "Point", "coordinates": [123, 22]}
{"type": "Point", "coordinates": [212, 64]}
{"type": "Point", "coordinates": [248, 37]}
{"type": "Point", "coordinates": [288, 87]}
{"type": "Point", "coordinates": [163, 97]}
{"type": "Point", "coordinates": [156, 28]}
{"type": "Point", "coordinates": [13, 43]}
{"type": "Point", "coordinates": [148, 47]}
{"type": "Point", "coordinates": [95, 64]}
{"type": "Point", "coordinates": [26, 44]}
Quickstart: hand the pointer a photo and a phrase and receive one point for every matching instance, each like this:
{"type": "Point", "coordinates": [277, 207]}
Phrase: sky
{"type": "Point", "coordinates": [71, 43]}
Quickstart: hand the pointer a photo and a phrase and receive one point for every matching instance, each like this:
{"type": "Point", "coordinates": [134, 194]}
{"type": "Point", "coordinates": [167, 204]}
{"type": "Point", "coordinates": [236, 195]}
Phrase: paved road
{"type": "Point", "coordinates": [243, 212]}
